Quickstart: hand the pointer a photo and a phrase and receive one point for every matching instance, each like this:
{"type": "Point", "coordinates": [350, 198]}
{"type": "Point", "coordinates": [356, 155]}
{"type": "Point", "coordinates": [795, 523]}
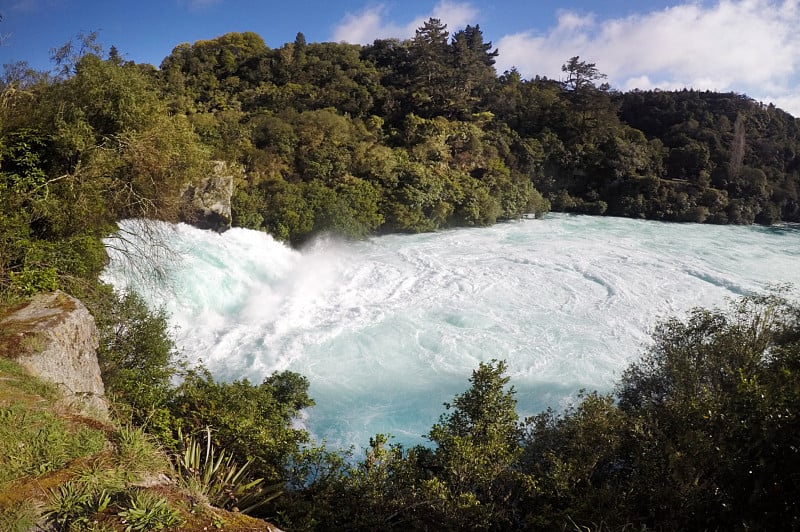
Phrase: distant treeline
{"type": "Point", "coordinates": [408, 135]}
{"type": "Point", "coordinates": [419, 134]}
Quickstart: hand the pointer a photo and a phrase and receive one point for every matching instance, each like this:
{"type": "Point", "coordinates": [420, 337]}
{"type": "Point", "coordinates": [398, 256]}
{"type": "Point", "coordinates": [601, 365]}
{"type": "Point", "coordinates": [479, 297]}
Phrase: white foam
{"type": "Point", "coordinates": [390, 328]}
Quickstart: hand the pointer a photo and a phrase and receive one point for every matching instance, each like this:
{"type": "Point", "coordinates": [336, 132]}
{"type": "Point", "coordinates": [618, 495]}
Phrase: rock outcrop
{"type": "Point", "coordinates": [55, 338]}
{"type": "Point", "coordinates": [207, 204]}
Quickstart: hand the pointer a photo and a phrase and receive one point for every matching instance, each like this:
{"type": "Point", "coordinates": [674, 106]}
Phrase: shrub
{"type": "Point", "coordinates": [251, 422]}
{"type": "Point", "coordinates": [215, 475]}
{"type": "Point", "coordinates": [137, 359]}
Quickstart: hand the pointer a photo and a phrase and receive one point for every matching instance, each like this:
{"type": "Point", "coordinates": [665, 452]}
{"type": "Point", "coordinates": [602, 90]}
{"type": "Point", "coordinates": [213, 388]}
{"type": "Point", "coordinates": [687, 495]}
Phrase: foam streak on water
{"type": "Point", "coordinates": [388, 329]}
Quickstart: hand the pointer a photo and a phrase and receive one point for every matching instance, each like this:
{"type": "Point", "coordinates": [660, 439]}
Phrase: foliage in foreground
{"type": "Point", "coordinates": [34, 439]}
{"type": "Point", "coordinates": [146, 511]}
{"type": "Point", "coordinates": [152, 388]}
{"type": "Point", "coordinates": [19, 517]}
{"type": "Point", "coordinates": [701, 434]}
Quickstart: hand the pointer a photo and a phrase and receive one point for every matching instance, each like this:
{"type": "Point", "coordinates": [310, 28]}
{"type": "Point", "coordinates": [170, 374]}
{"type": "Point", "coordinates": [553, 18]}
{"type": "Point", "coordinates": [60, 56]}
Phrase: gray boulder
{"type": "Point", "coordinates": [207, 203]}
{"type": "Point", "coordinates": [55, 338]}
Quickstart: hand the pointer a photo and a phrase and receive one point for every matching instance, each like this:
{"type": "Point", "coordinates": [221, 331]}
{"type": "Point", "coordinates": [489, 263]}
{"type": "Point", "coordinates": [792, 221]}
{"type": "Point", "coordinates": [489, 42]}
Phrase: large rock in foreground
{"type": "Point", "coordinates": [55, 338]}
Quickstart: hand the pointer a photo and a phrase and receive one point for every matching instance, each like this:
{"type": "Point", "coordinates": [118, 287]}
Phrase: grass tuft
{"type": "Point", "coordinates": [148, 511]}
{"type": "Point", "coordinates": [20, 517]}
{"type": "Point", "coordinates": [138, 452]}
{"type": "Point", "coordinates": [35, 442]}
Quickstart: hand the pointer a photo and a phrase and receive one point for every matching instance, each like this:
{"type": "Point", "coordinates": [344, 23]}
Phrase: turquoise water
{"type": "Point", "coordinates": [388, 329]}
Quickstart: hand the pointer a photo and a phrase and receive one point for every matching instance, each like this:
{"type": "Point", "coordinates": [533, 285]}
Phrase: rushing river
{"type": "Point", "coordinates": [388, 329]}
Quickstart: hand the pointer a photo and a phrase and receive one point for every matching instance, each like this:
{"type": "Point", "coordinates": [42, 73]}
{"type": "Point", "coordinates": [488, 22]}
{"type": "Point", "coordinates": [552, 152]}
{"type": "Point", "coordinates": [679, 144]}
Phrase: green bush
{"type": "Point", "coordinates": [713, 407]}
{"type": "Point", "coordinates": [250, 422]}
{"type": "Point", "coordinates": [137, 359]}
{"type": "Point", "coordinates": [701, 434]}
{"type": "Point", "coordinates": [32, 281]}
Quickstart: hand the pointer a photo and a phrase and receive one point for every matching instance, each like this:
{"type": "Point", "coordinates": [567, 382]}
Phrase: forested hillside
{"type": "Point", "coordinates": [419, 134]}
{"type": "Point", "coordinates": [410, 135]}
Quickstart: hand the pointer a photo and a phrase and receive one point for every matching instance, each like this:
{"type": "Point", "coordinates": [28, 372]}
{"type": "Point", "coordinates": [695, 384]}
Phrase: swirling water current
{"type": "Point", "coordinates": [388, 329]}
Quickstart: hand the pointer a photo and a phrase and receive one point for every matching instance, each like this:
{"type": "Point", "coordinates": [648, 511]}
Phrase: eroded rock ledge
{"type": "Point", "coordinates": [55, 338]}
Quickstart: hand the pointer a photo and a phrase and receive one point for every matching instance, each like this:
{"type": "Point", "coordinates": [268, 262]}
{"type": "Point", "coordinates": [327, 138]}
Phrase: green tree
{"type": "Point", "coordinates": [581, 76]}
{"type": "Point", "coordinates": [477, 448]}
{"type": "Point", "coordinates": [713, 407]}
{"type": "Point", "coordinates": [351, 209]}
{"type": "Point", "coordinates": [575, 458]}
{"type": "Point", "coordinates": [591, 105]}
{"type": "Point", "coordinates": [430, 69]}
{"type": "Point", "coordinates": [138, 360]}
{"type": "Point", "coordinates": [214, 74]}
{"type": "Point", "coordinates": [473, 66]}
{"type": "Point", "coordinates": [287, 213]}
{"type": "Point", "coordinates": [252, 422]}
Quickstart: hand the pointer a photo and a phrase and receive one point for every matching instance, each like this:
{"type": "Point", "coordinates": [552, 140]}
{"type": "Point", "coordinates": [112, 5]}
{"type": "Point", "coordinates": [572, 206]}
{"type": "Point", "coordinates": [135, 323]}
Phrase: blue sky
{"type": "Point", "coordinates": [746, 46]}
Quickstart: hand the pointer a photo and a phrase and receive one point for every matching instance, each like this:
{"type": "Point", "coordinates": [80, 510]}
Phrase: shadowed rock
{"type": "Point", "coordinates": [207, 204]}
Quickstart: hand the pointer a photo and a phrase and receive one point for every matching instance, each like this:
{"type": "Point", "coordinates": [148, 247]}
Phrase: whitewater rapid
{"type": "Point", "coordinates": [388, 329]}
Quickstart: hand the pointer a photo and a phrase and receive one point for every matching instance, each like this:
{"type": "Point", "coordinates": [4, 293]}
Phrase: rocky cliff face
{"type": "Point", "coordinates": [207, 204]}
{"type": "Point", "coordinates": [55, 338]}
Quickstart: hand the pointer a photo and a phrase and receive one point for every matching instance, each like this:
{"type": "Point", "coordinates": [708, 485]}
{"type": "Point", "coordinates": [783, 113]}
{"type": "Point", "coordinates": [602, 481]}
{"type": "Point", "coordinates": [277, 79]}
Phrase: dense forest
{"type": "Point", "coordinates": [433, 137]}
{"type": "Point", "coordinates": [409, 136]}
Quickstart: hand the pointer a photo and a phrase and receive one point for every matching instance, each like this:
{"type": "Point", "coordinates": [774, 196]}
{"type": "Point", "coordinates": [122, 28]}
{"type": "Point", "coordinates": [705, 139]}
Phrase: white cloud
{"type": "Point", "coordinates": [455, 15]}
{"type": "Point", "coordinates": [749, 46]}
{"type": "Point", "coordinates": [372, 23]}
{"type": "Point", "coordinates": [365, 27]}
{"type": "Point", "coordinates": [787, 102]}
